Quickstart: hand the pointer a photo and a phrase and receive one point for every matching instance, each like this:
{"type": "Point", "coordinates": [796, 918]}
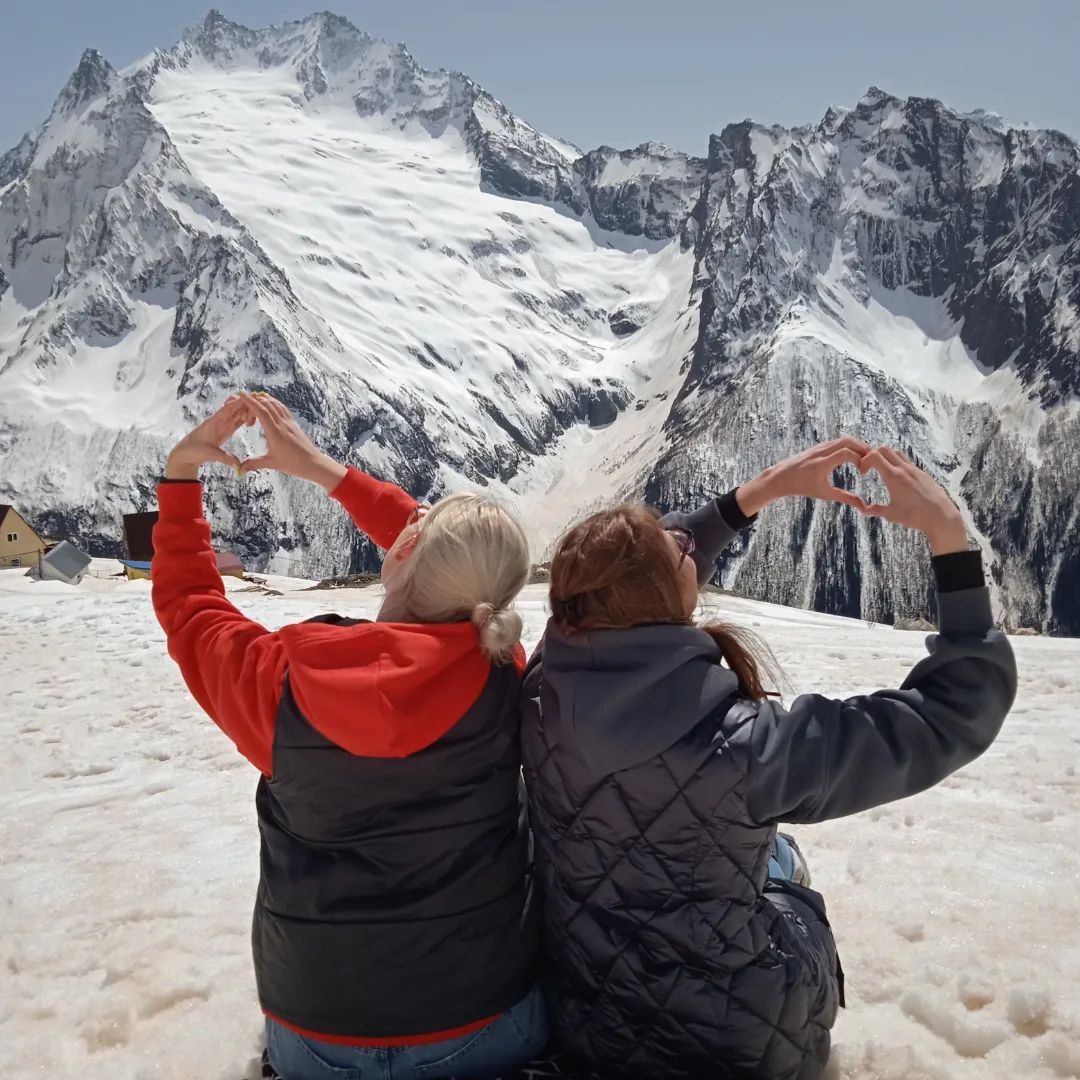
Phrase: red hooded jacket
{"type": "Point", "coordinates": [375, 690]}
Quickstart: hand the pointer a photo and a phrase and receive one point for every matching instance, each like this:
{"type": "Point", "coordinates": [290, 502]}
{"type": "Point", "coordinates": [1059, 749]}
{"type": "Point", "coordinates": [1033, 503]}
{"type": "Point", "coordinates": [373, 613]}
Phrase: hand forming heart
{"type": "Point", "coordinates": [288, 449]}
{"type": "Point", "coordinates": [915, 498]}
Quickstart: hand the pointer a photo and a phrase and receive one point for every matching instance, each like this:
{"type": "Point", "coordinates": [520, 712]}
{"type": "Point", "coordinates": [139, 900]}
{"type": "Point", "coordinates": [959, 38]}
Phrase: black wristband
{"type": "Point", "coordinates": [958, 570]}
{"type": "Point", "coordinates": [728, 506]}
{"type": "Point", "coordinates": [170, 480]}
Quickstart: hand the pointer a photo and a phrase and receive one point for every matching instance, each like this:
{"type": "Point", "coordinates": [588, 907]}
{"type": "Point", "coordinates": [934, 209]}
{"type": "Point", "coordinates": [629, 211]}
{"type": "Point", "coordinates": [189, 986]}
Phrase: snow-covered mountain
{"type": "Point", "coordinates": [450, 297]}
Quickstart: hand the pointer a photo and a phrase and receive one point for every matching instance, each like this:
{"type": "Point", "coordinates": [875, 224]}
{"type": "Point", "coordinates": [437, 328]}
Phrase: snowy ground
{"type": "Point", "coordinates": [128, 856]}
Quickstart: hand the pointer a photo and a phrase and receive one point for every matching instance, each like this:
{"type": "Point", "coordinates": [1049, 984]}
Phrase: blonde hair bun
{"type": "Point", "coordinates": [500, 630]}
{"type": "Point", "coordinates": [466, 561]}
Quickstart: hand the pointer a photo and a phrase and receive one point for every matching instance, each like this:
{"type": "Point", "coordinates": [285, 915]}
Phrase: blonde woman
{"type": "Point", "coordinates": [394, 931]}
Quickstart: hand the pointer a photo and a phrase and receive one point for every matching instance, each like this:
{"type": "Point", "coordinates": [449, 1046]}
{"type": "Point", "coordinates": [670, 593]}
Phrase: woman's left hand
{"type": "Point", "coordinates": [288, 449]}
{"type": "Point", "coordinates": [206, 442]}
{"type": "Point", "coordinates": [808, 474]}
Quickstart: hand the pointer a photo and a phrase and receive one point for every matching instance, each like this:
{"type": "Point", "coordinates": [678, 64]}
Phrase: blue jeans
{"type": "Point", "coordinates": [507, 1043]}
{"type": "Point", "coordinates": [782, 860]}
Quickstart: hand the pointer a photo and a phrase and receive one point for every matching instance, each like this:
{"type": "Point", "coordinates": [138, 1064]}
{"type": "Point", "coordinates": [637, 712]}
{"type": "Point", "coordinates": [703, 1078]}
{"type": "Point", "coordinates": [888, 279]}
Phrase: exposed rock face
{"type": "Point", "coordinates": [448, 296]}
{"type": "Point", "coordinates": [927, 219]}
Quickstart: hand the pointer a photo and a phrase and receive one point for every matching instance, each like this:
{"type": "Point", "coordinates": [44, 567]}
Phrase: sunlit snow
{"type": "Point", "coordinates": [130, 853]}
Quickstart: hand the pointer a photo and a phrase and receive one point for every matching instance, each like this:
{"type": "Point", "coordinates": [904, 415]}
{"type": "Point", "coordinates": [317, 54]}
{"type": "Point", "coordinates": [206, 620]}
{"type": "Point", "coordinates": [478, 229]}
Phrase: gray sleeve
{"type": "Point", "coordinates": [713, 527]}
{"type": "Point", "coordinates": [825, 758]}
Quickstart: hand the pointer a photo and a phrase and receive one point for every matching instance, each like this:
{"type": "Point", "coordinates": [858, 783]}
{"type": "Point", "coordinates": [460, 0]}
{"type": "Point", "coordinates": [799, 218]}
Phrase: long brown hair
{"type": "Point", "coordinates": [615, 570]}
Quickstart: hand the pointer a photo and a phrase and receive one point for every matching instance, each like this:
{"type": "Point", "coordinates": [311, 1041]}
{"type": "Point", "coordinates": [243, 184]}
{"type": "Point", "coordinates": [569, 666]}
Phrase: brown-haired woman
{"type": "Point", "coordinates": [658, 769]}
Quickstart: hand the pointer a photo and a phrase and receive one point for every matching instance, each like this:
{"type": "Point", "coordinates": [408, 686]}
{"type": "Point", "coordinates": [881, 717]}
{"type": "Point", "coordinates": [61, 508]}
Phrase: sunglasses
{"type": "Point", "coordinates": [417, 514]}
{"type": "Point", "coordinates": [685, 540]}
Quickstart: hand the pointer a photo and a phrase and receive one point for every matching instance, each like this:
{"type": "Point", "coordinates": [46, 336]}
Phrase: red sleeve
{"type": "Point", "coordinates": [378, 509]}
{"type": "Point", "coordinates": [234, 667]}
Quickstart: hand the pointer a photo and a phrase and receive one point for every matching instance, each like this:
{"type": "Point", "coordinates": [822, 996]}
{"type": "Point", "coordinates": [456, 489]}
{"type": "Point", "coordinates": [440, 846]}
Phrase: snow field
{"type": "Point", "coordinates": [426, 279]}
{"type": "Point", "coordinates": [128, 854]}
{"type": "Point", "coordinates": [360, 262]}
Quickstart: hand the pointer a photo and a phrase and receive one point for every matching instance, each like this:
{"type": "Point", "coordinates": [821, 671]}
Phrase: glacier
{"type": "Point", "coordinates": [453, 299]}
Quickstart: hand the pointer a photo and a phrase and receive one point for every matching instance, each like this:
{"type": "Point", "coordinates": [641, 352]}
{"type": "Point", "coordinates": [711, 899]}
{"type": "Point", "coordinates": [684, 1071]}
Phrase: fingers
{"type": "Point", "coordinates": [844, 456]}
{"type": "Point", "coordinates": [265, 461]}
{"type": "Point", "coordinates": [880, 510]}
{"type": "Point", "coordinates": [878, 460]}
{"type": "Point", "coordinates": [847, 497]}
{"type": "Point", "coordinates": [837, 459]}
{"type": "Point", "coordinates": [898, 458]}
{"type": "Point", "coordinates": [224, 424]}
{"type": "Point", "coordinates": [861, 451]}
{"type": "Point", "coordinates": [232, 407]}
{"type": "Point", "coordinates": [845, 442]}
{"type": "Point", "coordinates": [223, 456]}
{"type": "Point", "coordinates": [267, 416]}
{"type": "Point", "coordinates": [234, 404]}
{"type": "Point", "coordinates": [278, 407]}
{"type": "Point", "coordinates": [280, 410]}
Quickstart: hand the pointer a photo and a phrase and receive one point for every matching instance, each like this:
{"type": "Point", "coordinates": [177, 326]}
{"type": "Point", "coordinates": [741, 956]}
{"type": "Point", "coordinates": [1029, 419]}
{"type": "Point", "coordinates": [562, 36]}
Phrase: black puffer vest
{"type": "Point", "coordinates": [395, 896]}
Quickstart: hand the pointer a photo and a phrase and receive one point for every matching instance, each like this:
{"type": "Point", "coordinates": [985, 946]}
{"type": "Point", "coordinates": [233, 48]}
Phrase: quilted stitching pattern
{"type": "Point", "coordinates": [668, 959]}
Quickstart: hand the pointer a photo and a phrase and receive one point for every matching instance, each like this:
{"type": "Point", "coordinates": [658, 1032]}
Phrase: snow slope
{"type": "Point", "coordinates": [128, 855]}
{"type": "Point", "coordinates": [432, 264]}
{"type": "Point", "coordinates": [427, 278]}
{"type": "Point", "coordinates": [453, 299]}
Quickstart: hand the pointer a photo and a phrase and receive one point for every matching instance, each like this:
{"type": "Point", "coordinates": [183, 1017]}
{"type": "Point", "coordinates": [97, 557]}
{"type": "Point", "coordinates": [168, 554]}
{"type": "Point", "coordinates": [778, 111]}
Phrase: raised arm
{"type": "Point", "coordinates": [807, 474]}
{"type": "Point", "coordinates": [378, 509]}
{"type": "Point", "coordinates": [234, 667]}
{"type": "Point", "coordinates": [713, 527]}
{"type": "Point", "coordinates": [825, 758]}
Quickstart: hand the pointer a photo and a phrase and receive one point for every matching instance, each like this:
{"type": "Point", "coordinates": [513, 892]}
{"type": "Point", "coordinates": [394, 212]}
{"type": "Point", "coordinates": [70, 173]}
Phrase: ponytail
{"type": "Point", "coordinates": [749, 658]}
{"type": "Point", "coordinates": [500, 630]}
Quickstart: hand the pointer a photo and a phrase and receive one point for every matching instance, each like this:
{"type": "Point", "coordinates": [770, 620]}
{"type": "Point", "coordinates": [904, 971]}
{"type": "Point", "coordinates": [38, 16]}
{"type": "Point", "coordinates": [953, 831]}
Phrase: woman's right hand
{"type": "Point", "coordinates": [288, 449]}
{"type": "Point", "coordinates": [807, 474]}
{"type": "Point", "coordinates": [916, 500]}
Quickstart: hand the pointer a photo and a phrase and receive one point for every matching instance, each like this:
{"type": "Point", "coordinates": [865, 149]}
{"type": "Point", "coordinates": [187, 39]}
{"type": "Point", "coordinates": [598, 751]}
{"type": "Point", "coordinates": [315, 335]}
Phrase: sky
{"type": "Point", "coordinates": [623, 71]}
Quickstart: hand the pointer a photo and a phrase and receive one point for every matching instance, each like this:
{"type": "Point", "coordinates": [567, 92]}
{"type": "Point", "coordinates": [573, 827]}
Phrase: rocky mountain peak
{"type": "Point", "coordinates": [901, 268]}
{"type": "Point", "coordinates": [655, 149]}
{"type": "Point", "coordinates": [869, 113]}
{"type": "Point", "coordinates": [747, 146]}
{"type": "Point", "coordinates": [733, 143]}
{"type": "Point", "coordinates": [93, 77]}
{"type": "Point", "coordinates": [217, 37]}
{"type": "Point", "coordinates": [874, 98]}
{"type": "Point", "coordinates": [833, 118]}
{"type": "Point", "coordinates": [332, 23]}
{"type": "Point", "coordinates": [332, 36]}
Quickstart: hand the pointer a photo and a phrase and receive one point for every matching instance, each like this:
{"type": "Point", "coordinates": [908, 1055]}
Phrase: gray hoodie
{"type": "Point", "coordinates": [655, 791]}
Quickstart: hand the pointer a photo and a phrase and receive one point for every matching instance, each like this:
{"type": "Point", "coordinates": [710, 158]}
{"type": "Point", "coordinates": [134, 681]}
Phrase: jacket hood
{"type": "Point", "coordinates": [384, 689]}
{"type": "Point", "coordinates": [619, 697]}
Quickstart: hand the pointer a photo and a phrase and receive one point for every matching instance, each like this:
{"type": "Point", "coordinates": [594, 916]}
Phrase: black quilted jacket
{"type": "Point", "coordinates": [654, 794]}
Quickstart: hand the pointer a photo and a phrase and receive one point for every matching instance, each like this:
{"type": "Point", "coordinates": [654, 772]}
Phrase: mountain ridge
{"type": "Point", "coordinates": [452, 297]}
